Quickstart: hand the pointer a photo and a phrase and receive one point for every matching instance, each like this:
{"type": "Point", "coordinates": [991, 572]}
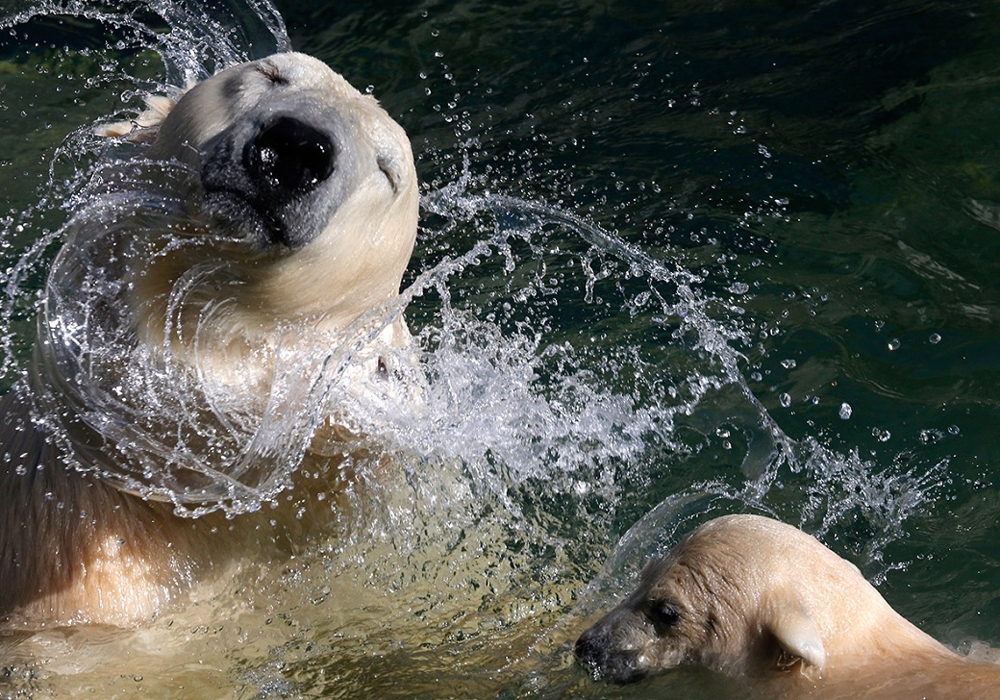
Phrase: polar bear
{"type": "Point", "coordinates": [318, 185]}
{"type": "Point", "coordinates": [749, 596]}
{"type": "Point", "coordinates": [293, 205]}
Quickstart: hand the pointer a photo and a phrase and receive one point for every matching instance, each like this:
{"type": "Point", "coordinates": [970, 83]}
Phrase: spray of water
{"type": "Point", "coordinates": [554, 363]}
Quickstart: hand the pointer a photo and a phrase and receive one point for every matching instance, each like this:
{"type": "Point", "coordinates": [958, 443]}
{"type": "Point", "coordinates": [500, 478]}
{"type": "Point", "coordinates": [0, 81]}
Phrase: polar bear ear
{"type": "Point", "coordinates": [797, 635]}
{"type": "Point", "coordinates": [143, 128]}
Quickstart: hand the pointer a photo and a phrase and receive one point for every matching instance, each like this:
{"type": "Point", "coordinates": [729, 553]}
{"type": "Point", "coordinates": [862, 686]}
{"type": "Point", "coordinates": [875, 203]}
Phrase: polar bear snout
{"type": "Point", "coordinates": [603, 659]}
{"type": "Point", "coordinates": [276, 178]}
{"type": "Point", "coordinates": [289, 157]}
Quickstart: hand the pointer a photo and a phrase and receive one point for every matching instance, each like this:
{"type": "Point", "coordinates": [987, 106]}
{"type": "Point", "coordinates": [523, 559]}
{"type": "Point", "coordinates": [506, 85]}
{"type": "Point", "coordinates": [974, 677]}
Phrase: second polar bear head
{"type": "Point", "coordinates": [749, 596]}
{"type": "Point", "coordinates": [304, 206]}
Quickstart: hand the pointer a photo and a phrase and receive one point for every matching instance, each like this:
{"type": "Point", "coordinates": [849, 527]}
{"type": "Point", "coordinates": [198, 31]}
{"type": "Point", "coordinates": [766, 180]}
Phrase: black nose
{"type": "Point", "coordinates": [289, 157]}
{"type": "Point", "coordinates": [594, 653]}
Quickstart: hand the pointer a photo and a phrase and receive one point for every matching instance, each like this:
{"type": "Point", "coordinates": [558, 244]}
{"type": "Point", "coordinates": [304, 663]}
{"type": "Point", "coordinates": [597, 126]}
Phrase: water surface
{"type": "Point", "coordinates": [676, 261]}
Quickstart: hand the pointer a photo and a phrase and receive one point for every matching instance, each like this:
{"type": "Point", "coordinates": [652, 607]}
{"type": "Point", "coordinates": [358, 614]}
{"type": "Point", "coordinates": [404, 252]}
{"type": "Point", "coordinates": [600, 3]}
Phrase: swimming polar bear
{"type": "Point", "coordinates": [746, 595]}
{"type": "Point", "coordinates": [317, 182]}
{"type": "Point", "coordinates": [279, 205]}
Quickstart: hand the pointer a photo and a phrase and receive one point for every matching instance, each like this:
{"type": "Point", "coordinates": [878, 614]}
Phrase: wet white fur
{"type": "Point", "coordinates": [756, 597]}
{"type": "Point", "coordinates": [353, 266]}
{"type": "Point", "coordinates": [74, 549]}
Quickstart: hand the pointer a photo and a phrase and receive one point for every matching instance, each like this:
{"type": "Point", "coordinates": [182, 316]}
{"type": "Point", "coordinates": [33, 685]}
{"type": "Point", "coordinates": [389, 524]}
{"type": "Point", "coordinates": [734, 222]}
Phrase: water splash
{"type": "Point", "coordinates": [501, 395]}
{"type": "Point", "coordinates": [511, 391]}
{"type": "Point", "coordinates": [193, 40]}
{"type": "Point", "coordinates": [503, 391]}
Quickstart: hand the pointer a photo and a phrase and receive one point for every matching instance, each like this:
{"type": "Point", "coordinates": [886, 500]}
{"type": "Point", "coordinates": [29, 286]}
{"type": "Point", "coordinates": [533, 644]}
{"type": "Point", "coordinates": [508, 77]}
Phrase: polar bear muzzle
{"type": "Point", "coordinates": [280, 152]}
{"type": "Point", "coordinates": [274, 179]}
{"type": "Point", "coordinates": [612, 650]}
{"type": "Point", "coordinates": [289, 156]}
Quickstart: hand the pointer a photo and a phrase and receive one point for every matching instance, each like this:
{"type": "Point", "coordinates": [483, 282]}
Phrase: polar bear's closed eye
{"type": "Point", "coordinates": [662, 614]}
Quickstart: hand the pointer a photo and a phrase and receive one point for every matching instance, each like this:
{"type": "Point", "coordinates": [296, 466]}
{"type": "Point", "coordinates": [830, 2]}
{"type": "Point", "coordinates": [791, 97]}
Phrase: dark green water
{"type": "Point", "coordinates": [827, 173]}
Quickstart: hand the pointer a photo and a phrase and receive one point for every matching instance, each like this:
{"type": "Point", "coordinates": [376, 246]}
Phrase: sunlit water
{"type": "Point", "coordinates": [667, 270]}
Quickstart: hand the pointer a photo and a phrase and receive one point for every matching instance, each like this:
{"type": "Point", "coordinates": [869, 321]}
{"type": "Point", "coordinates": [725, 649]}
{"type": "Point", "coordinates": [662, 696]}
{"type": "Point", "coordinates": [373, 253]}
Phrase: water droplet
{"type": "Point", "coordinates": [788, 364]}
{"type": "Point", "coordinates": [785, 400]}
{"type": "Point", "coordinates": [934, 339]}
{"type": "Point", "coordinates": [845, 411]}
{"type": "Point", "coordinates": [930, 436]}
{"type": "Point", "coordinates": [881, 434]}
{"type": "Point", "coordinates": [893, 344]}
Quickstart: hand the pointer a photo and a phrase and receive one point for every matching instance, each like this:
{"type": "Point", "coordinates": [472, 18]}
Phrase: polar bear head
{"type": "Point", "coordinates": [227, 290]}
{"type": "Point", "coordinates": [302, 212]}
{"type": "Point", "coordinates": [746, 595]}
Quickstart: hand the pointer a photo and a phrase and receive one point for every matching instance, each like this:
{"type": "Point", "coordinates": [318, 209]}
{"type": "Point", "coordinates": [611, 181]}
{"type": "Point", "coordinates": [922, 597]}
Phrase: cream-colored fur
{"type": "Point", "coordinates": [301, 215]}
{"type": "Point", "coordinates": [750, 596]}
{"type": "Point", "coordinates": [352, 265]}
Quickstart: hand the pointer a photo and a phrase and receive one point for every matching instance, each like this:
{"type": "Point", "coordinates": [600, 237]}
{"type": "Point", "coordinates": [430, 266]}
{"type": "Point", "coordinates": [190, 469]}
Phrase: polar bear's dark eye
{"type": "Point", "coordinates": [663, 614]}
